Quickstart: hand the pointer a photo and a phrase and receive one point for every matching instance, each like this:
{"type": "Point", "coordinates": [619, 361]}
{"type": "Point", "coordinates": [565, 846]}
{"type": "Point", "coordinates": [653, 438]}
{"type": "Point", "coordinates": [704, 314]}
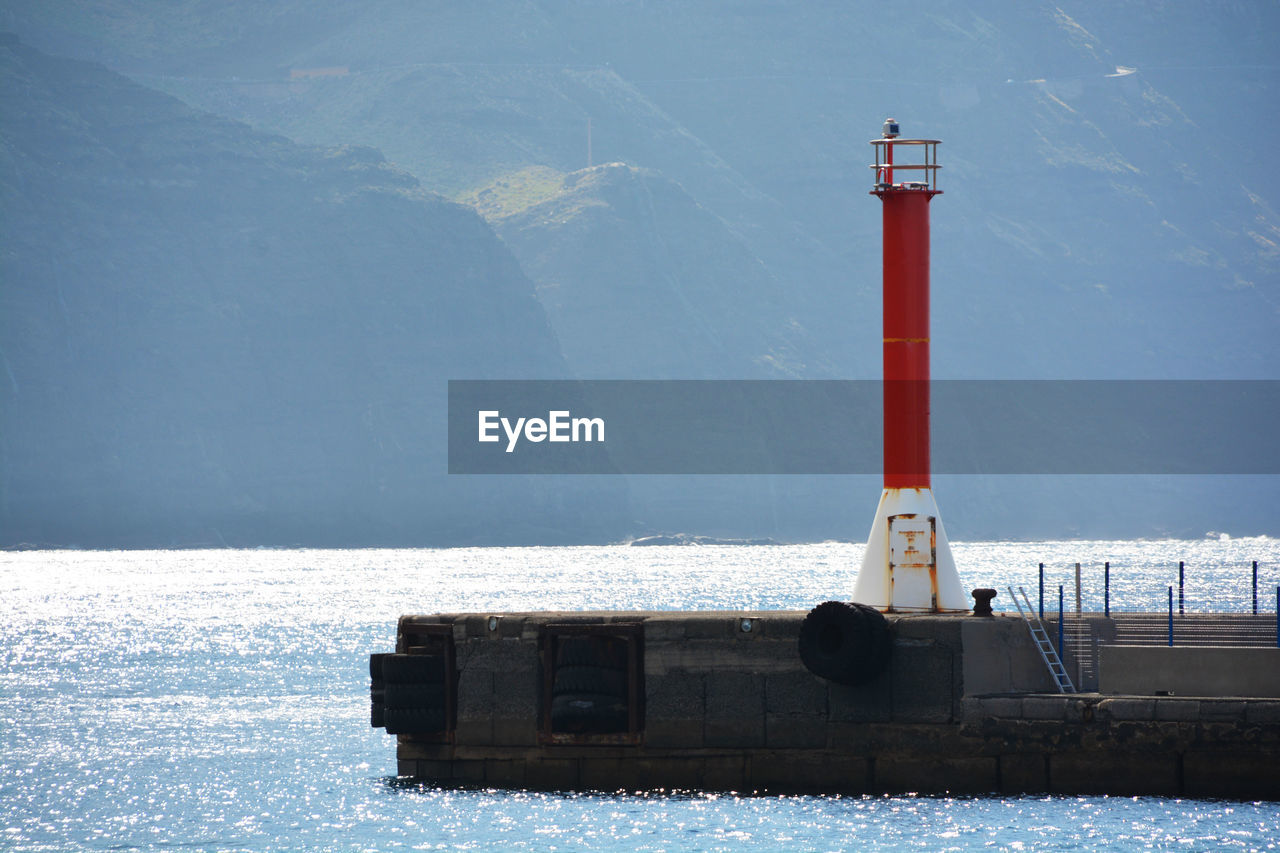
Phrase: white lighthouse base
{"type": "Point", "coordinates": [908, 565]}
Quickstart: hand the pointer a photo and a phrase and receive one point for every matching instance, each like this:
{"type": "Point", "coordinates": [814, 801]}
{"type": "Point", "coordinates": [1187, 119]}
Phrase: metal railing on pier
{"type": "Point", "coordinates": [1218, 611]}
{"type": "Point", "coordinates": [1195, 629]}
{"type": "Point", "coordinates": [1249, 616]}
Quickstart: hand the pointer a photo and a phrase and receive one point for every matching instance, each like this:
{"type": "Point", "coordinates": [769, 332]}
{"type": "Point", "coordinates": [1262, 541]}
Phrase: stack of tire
{"type": "Point", "coordinates": [407, 693]}
{"type": "Point", "coordinates": [589, 686]}
{"type": "Point", "coordinates": [844, 642]}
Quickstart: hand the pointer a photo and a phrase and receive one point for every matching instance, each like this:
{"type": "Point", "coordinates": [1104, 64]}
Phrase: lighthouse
{"type": "Point", "coordinates": [907, 566]}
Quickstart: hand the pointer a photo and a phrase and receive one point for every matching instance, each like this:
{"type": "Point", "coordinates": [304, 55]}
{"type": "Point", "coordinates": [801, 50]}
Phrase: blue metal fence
{"type": "Point", "coordinates": [1215, 611]}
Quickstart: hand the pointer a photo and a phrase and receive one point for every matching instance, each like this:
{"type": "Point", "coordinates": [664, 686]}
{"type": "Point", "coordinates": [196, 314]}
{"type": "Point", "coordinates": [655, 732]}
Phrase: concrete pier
{"type": "Point", "coordinates": [722, 701]}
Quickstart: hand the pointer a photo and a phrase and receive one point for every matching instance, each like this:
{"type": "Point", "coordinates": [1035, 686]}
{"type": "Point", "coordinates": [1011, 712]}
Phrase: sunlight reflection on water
{"type": "Point", "coordinates": [218, 700]}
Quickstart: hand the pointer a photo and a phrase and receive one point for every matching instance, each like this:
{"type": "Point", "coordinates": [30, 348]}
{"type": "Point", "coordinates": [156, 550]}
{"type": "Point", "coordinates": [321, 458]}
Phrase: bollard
{"type": "Point", "coordinates": [1181, 610]}
{"type": "Point", "coordinates": [1060, 620]}
{"type": "Point", "coordinates": [982, 601]}
{"type": "Point", "coordinates": [1171, 616]}
{"type": "Point", "coordinates": [1106, 590]}
{"type": "Point", "coordinates": [1042, 592]}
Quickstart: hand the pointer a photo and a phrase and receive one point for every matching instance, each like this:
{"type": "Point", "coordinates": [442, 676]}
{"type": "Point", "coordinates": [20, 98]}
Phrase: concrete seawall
{"type": "Point", "coordinates": [722, 701]}
{"type": "Point", "coordinates": [1190, 670]}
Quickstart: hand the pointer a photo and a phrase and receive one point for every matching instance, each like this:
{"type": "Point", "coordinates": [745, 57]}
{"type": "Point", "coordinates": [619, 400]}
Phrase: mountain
{"type": "Point", "coordinates": [214, 335]}
{"type": "Point", "coordinates": [639, 281]}
{"type": "Point", "coordinates": [1100, 209]}
{"type": "Point", "coordinates": [1099, 200]}
{"type": "Point", "coordinates": [1109, 206]}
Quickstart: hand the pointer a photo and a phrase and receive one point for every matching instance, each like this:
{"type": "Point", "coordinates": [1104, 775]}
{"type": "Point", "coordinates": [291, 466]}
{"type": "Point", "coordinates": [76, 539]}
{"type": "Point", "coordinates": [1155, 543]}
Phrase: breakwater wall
{"type": "Point", "coordinates": [722, 701]}
{"type": "Point", "coordinates": [1190, 671]}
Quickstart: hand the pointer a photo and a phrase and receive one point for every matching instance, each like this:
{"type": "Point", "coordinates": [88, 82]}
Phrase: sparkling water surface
{"type": "Point", "coordinates": [218, 700]}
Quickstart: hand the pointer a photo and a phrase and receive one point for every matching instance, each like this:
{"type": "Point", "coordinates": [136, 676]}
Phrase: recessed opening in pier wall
{"type": "Point", "coordinates": [592, 684]}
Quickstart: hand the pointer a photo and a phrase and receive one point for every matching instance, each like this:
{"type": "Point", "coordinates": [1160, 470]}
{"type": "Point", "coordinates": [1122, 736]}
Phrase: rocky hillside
{"type": "Point", "coordinates": [214, 335]}
{"type": "Point", "coordinates": [641, 282]}
{"type": "Point", "coordinates": [1109, 208]}
{"type": "Point", "coordinates": [1109, 194]}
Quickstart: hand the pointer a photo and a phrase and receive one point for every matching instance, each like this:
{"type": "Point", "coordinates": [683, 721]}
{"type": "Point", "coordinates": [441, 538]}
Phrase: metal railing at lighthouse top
{"type": "Point", "coordinates": [885, 167]}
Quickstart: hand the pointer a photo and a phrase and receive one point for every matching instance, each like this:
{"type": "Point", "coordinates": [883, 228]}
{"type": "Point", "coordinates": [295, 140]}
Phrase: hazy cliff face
{"type": "Point", "coordinates": [641, 282]}
{"type": "Point", "coordinates": [1109, 211]}
{"type": "Point", "coordinates": [1108, 186]}
{"type": "Point", "coordinates": [211, 334]}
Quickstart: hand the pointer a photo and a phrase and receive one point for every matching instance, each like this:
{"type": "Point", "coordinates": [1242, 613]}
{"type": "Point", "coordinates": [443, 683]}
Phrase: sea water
{"type": "Point", "coordinates": [218, 700]}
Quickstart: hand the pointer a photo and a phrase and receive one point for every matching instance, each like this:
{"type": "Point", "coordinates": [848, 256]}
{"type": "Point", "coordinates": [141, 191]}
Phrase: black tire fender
{"type": "Point", "coordinates": [594, 713]}
{"type": "Point", "coordinates": [603, 651]}
{"type": "Point", "coordinates": [413, 695]}
{"type": "Point", "coordinates": [589, 679]}
{"type": "Point", "coordinates": [413, 721]}
{"type": "Point", "coordinates": [845, 643]}
{"type": "Point", "coordinates": [412, 669]}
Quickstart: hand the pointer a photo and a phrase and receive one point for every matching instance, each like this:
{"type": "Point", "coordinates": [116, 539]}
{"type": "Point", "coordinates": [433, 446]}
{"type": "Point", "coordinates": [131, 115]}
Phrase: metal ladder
{"type": "Point", "coordinates": [1043, 644]}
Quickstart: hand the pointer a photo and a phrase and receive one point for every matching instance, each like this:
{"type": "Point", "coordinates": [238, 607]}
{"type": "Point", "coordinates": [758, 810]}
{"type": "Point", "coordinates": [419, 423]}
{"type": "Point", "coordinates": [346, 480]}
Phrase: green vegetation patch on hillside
{"type": "Point", "coordinates": [515, 192]}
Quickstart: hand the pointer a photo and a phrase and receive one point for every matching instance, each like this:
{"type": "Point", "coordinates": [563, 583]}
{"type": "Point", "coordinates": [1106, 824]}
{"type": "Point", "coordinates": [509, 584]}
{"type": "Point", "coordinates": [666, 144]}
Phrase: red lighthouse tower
{"type": "Point", "coordinates": [908, 564]}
